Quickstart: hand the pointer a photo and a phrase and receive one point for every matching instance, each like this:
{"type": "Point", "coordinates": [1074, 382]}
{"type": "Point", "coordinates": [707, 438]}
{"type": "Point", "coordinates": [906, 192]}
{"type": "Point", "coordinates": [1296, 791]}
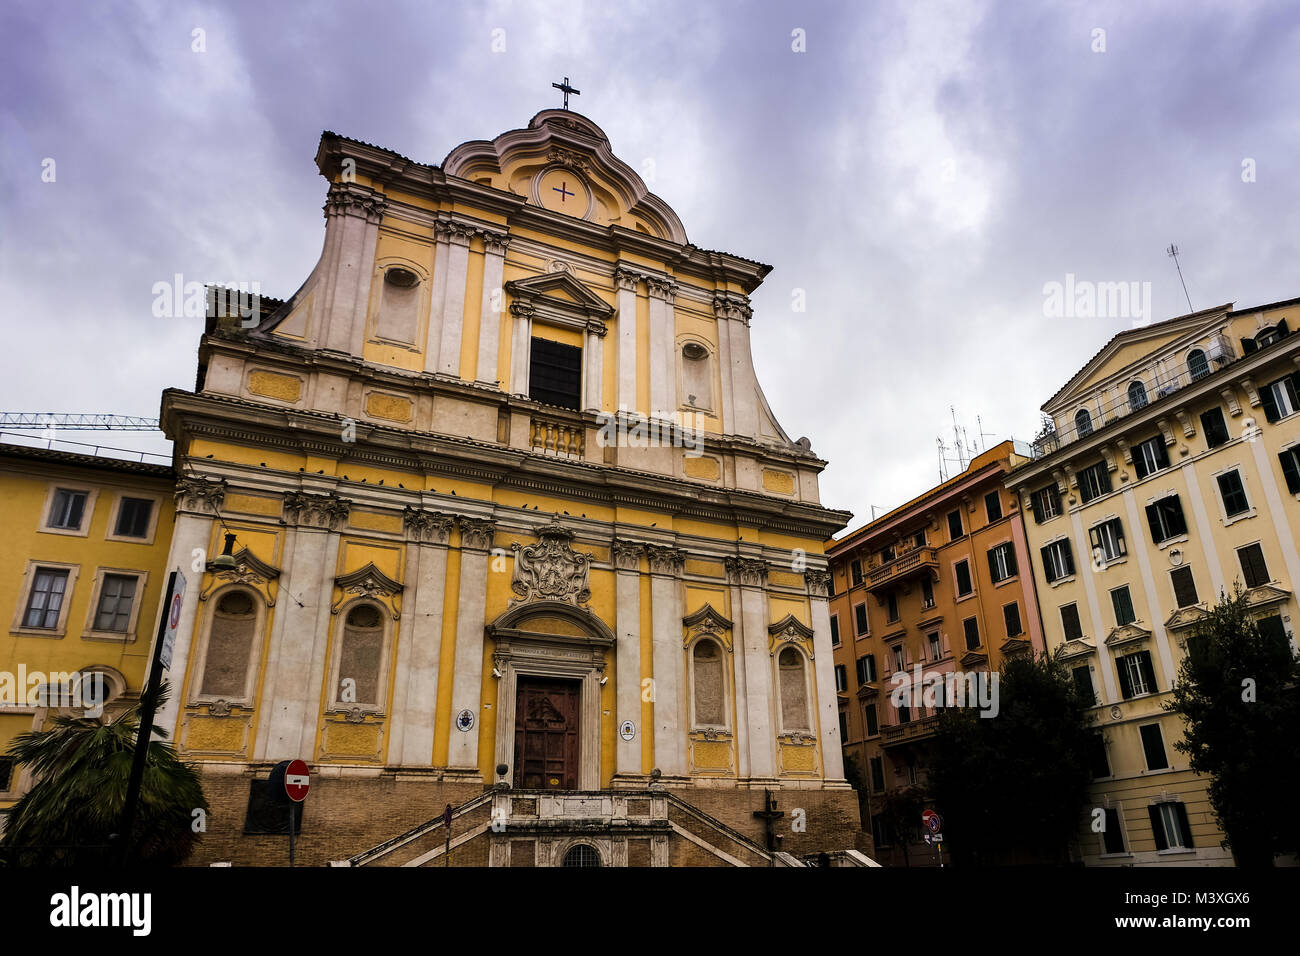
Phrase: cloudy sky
{"type": "Point", "coordinates": [915, 172]}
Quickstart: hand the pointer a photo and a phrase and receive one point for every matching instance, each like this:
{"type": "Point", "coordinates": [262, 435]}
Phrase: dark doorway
{"type": "Point", "coordinates": [546, 734]}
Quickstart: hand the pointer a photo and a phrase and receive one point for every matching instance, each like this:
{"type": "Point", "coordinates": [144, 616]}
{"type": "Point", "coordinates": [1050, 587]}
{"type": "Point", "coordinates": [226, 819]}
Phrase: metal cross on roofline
{"type": "Point", "coordinates": [566, 89]}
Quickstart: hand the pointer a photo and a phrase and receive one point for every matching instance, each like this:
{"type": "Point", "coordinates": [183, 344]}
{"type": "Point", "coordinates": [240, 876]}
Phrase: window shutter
{"type": "Point", "coordinates": [1270, 403]}
{"type": "Point", "coordinates": [1094, 536]}
{"type": "Point", "coordinates": [1012, 569]}
{"type": "Point", "coordinates": [1047, 564]}
{"type": "Point", "coordinates": [993, 564]}
{"type": "Point", "coordinates": [1290, 470]}
{"type": "Point", "coordinates": [1157, 825]}
{"type": "Point", "coordinates": [1182, 821]}
{"type": "Point", "coordinates": [1283, 329]}
{"type": "Point", "coordinates": [1248, 346]}
{"type": "Point", "coordinates": [1179, 523]}
{"type": "Point", "coordinates": [1153, 519]}
{"type": "Point", "coordinates": [1162, 454]}
{"type": "Point", "coordinates": [1036, 500]}
{"type": "Point", "coordinates": [1068, 557]}
{"type": "Point", "coordinates": [1144, 668]}
{"type": "Point", "coordinates": [1125, 683]}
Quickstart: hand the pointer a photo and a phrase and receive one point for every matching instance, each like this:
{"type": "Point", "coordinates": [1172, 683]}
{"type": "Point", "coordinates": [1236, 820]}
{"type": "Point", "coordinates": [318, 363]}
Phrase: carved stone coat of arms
{"type": "Point", "coordinates": [551, 570]}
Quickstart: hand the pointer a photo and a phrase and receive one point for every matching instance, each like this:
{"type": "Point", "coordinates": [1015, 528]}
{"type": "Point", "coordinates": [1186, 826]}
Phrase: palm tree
{"type": "Point", "coordinates": [72, 816]}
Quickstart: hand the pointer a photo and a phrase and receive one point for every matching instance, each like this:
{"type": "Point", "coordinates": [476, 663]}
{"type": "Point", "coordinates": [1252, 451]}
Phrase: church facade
{"type": "Point", "coordinates": [516, 535]}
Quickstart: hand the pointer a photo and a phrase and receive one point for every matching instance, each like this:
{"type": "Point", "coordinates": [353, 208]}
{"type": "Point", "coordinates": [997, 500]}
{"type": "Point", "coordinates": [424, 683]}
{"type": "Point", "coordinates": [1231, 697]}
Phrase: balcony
{"type": "Point", "coordinates": [911, 732]}
{"type": "Point", "coordinates": [914, 564]}
{"type": "Point", "coordinates": [558, 438]}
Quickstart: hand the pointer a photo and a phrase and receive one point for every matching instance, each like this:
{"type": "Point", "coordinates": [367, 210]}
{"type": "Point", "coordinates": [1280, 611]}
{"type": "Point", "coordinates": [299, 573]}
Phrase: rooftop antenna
{"type": "Point", "coordinates": [943, 476]}
{"type": "Point", "coordinates": [1172, 252]}
{"type": "Point", "coordinates": [980, 424]}
{"type": "Point", "coordinates": [958, 441]}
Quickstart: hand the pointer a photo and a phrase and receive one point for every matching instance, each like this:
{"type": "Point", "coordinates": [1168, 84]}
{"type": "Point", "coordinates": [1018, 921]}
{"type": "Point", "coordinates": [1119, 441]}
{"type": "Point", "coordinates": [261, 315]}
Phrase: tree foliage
{"type": "Point", "coordinates": [1012, 787]}
{"type": "Point", "coordinates": [82, 768]}
{"type": "Point", "coordinates": [1238, 692]}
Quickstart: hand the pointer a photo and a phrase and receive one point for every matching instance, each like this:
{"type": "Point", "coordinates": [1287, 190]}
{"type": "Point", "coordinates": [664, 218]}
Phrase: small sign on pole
{"type": "Point", "coordinates": [173, 620]}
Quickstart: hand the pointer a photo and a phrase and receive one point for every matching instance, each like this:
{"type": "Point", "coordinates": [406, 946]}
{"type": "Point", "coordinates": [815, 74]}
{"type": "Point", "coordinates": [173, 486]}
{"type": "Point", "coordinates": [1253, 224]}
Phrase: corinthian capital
{"type": "Point", "coordinates": [665, 560]}
{"type": "Point", "coordinates": [661, 288]}
{"type": "Point", "coordinates": [349, 199]}
{"type": "Point", "coordinates": [626, 279]}
{"type": "Point", "coordinates": [818, 582]}
{"type": "Point", "coordinates": [627, 555]}
{"type": "Point", "coordinates": [728, 305]}
{"type": "Point", "coordinates": [746, 572]}
{"type": "Point", "coordinates": [430, 526]}
{"type": "Point", "coordinates": [316, 511]}
{"type": "Point", "coordinates": [476, 533]}
{"type": "Point", "coordinates": [494, 243]}
{"type": "Point", "coordinates": [200, 495]}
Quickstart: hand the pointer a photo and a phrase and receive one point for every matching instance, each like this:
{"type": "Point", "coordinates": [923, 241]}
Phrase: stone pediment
{"type": "Point", "coordinates": [1013, 645]}
{"type": "Point", "coordinates": [1079, 647]}
{"type": "Point", "coordinates": [370, 582]}
{"type": "Point", "coordinates": [1128, 634]}
{"type": "Point", "coordinates": [563, 292]}
{"type": "Point", "coordinates": [561, 149]}
{"type": "Point", "coordinates": [973, 659]}
{"type": "Point", "coordinates": [1185, 617]}
{"type": "Point", "coordinates": [1266, 594]}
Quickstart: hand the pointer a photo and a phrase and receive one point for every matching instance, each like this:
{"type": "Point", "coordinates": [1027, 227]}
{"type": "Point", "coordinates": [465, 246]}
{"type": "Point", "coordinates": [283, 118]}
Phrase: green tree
{"type": "Point", "coordinates": [82, 766]}
{"type": "Point", "coordinates": [1237, 692]}
{"type": "Point", "coordinates": [1012, 787]}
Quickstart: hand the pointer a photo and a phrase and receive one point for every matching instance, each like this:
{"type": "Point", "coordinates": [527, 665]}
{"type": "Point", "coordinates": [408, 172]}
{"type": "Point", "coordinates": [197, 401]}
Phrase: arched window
{"type": "Point", "coordinates": [708, 685]}
{"type": "Point", "coordinates": [399, 305]}
{"type": "Point", "coordinates": [794, 691]}
{"type": "Point", "coordinates": [230, 646]}
{"type": "Point", "coordinates": [1083, 422]}
{"type": "Point", "coordinates": [1137, 395]}
{"type": "Point", "coordinates": [1197, 365]}
{"type": "Point", "coordinates": [697, 381]}
{"type": "Point", "coordinates": [582, 854]}
{"type": "Point", "coordinates": [361, 653]}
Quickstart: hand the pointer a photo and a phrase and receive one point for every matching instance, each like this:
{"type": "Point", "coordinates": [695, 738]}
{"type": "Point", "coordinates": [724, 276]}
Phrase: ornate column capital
{"type": "Point", "coordinates": [350, 199]}
{"type": "Point", "coordinates": [818, 582]}
{"type": "Point", "coordinates": [626, 280]}
{"type": "Point", "coordinates": [522, 310]}
{"type": "Point", "coordinates": [427, 526]}
{"type": "Point", "coordinates": [663, 560]}
{"type": "Point", "coordinates": [327, 512]}
{"type": "Point", "coordinates": [200, 495]}
{"type": "Point", "coordinates": [494, 243]}
{"type": "Point", "coordinates": [746, 572]}
{"type": "Point", "coordinates": [728, 305]}
{"type": "Point", "coordinates": [627, 555]}
{"type": "Point", "coordinates": [661, 288]}
{"type": "Point", "coordinates": [476, 533]}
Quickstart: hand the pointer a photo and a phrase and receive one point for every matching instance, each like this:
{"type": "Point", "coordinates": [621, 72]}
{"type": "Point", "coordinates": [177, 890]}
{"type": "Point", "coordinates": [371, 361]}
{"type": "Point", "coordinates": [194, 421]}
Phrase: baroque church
{"type": "Point", "coordinates": [524, 567]}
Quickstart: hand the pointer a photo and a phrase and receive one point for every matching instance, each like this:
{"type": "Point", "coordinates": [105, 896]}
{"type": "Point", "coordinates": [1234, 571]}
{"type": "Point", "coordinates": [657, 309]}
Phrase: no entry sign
{"type": "Point", "coordinates": [297, 780]}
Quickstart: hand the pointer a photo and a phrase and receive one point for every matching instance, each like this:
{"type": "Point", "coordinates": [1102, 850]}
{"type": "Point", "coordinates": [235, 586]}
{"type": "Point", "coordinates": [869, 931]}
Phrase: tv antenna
{"type": "Point", "coordinates": [1172, 252]}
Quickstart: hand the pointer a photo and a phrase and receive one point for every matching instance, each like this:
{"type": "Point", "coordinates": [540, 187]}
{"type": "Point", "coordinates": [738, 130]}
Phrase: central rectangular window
{"type": "Point", "coordinates": [1122, 601]}
{"type": "Point", "coordinates": [1184, 586]}
{"type": "Point", "coordinates": [1253, 567]}
{"type": "Point", "coordinates": [1083, 684]}
{"type": "Point", "coordinates": [1153, 746]}
{"type": "Point", "coordinates": [972, 628]}
{"type": "Point", "coordinates": [1234, 493]}
{"type": "Point", "coordinates": [835, 630]}
{"type": "Point", "coordinates": [1150, 456]}
{"type": "Point", "coordinates": [1279, 398]}
{"type": "Point", "coordinates": [1166, 519]}
{"type": "Point", "coordinates": [555, 373]}
{"type": "Point", "coordinates": [115, 599]}
{"type": "Point", "coordinates": [46, 598]}
{"type": "Point", "coordinates": [1011, 616]}
{"type": "Point", "coordinates": [927, 593]}
{"type": "Point", "coordinates": [1046, 503]}
{"type": "Point", "coordinates": [133, 518]}
{"type": "Point", "coordinates": [936, 646]}
{"type": "Point", "coordinates": [860, 619]}
{"type": "Point", "coordinates": [867, 669]}
{"type": "Point", "coordinates": [1002, 562]}
{"type": "Point", "coordinates": [993, 506]}
{"type": "Point", "coordinates": [871, 719]}
{"type": "Point", "coordinates": [1216, 429]}
{"type": "Point", "coordinates": [1094, 482]}
{"type": "Point", "coordinates": [892, 606]}
{"type": "Point", "coordinates": [962, 571]}
{"type": "Point", "coordinates": [1169, 826]}
{"type": "Point", "coordinates": [1058, 561]}
{"type": "Point", "coordinates": [1108, 539]}
{"type": "Point", "coordinates": [66, 509]}
{"type": "Point", "coordinates": [1135, 675]}
{"type": "Point", "coordinates": [1070, 622]}
{"type": "Point", "coordinates": [954, 525]}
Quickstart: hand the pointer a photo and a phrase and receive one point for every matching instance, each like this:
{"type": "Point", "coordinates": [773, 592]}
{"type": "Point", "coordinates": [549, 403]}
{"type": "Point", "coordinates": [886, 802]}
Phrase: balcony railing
{"type": "Point", "coordinates": [1166, 380]}
{"type": "Point", "coordinates": [909, 732]}
{"type": "Point", "coordinates": [552, 437]}
{"type": "Point", "coordinates": [916, 561]}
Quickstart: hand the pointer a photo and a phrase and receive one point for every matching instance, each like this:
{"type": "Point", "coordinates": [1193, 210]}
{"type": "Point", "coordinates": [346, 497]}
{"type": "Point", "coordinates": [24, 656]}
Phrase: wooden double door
{"type": "Point", "coordinates": [547, 714]}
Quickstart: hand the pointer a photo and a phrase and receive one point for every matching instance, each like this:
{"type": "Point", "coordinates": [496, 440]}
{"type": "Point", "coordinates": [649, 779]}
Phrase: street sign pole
{"type": "Point", "coordinates": [291, 834]}
{"type": "Point", "coordinates": [148, 706]}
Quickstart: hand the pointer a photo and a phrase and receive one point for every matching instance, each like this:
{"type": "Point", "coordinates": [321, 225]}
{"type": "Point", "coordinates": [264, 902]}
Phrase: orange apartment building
{"type": "Point", "coordinates": [943, 584]}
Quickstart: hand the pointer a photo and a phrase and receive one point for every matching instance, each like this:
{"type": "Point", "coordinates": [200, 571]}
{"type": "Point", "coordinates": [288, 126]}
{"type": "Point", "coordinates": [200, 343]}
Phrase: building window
{"type": "Point", "coordinates": [855, 569]}
{"type": "Point", "coordinates": [954, 525]}
{"type": "Point", "coordinates": [45, 600]}
{"type": "Point", "coordinates": [1197, 365]}
{"type": "Point", "coordinates": [794, 690]}
{"type": "Point", "coordinates": [1070, 622]}
{"type": "Point", "coordinates": [1083, 422]}
{"type": "Point", "coordinates": [1150, 456]}
{"type": "Point", "coordinates": [230, 646]}
{"type": "Point", "coordinates": [1122, 602]}
{"type": "Point", "coordinates": [361, 653]}
{"type": "Point", "coordinates": [555, 373]}
{"type": "Point", "coordinates": [936, 646]}
{"type": "Point", "coordinates": [1253, 568]}
{"type": "Point", "coordinates": [6, 774]}
{"type": "Point", "coordinates": [1272, 628]}
{"type": "Point", "coordinates": [708, 687]}
{"type": "Point", "coordinates": [1215, 427]}
{"type": "Point", "coordinates": [993, 506]}
{"type": "Point", "coordinates": [830, 583]}
{"type": "Point", "coordinates": [872, 720]}
{"type": "Point", "coordinates": [962, 573]}
{"type": "Point", "coordinates": [582, 855]}
{"type": "Point", "coordinates": [1058, 560]}
{"type": "Point", "coordinates": [1098, 764]}
{"type": "Point", "coordinates": [1153, 746]}
{"type": "Point", "coordinates": [1169, 826]}
{"type": "Point", "coordinates": [886, 554]}
{"type": "Point", "coordinates": [1002, 563]}
{"type": "Point", "coordinates": [867, 669]}
{"type": "Point", "coordinates": [877, 765]}
{"type": "Point", "coordinates": [67, 509]}
{"type": "Point", "coordinates": [844, 726]}
{"type": "Point", "coordinates": [1135, 675]}
{"type": "Point", "coordinates": [1011, 615]}
{"type": "Point", "coordinates": [1290, 460]}
{"type": "Point", "coordinates": [1046, 503]}
{"type": "Point", "coordinates": [1113, 836]}
{"type": "Point", "coordinates": [133, 515]}
{"type": "Point", "coordinates": [860, 619]}
{"type": "Point", "coordinates": [835, 630]}
{"type": "Point", "coordinates": [1083, 684]}
{"type": "Point", "coordinates": [891, 603]}
{"type": "Point", "coordinates": [116, 595]}
{"type": "Point", "coordinates": [1184, 586]}
{"type": "Point", "coordinates": [899, 662]}
{"type": "Point", "coordinates": [918, 539]}
{"type": "Point", "coordinates": [1137, 396]}
{"type": "Point", "coordinates": [1166, 519]}
{"type": "Point", "coordinates": [1094, 482]}
{"type": "Point", "coordinates": [697, 376]}
{"type": "Point", "coordinates": [927, 594]}
{"type": "Point", "coordinates": [841, 678]}
{"type": "Point", "coordinates": [1233, 493]}
{"type": "Point", "coordinates": [1108, 540]}
{"type": "Point", "coordinates": [904, 714]}
{"type": "Point", "coordinates": [1279, 397]}
{"type": "Point", "coordinates": [972, 628]}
